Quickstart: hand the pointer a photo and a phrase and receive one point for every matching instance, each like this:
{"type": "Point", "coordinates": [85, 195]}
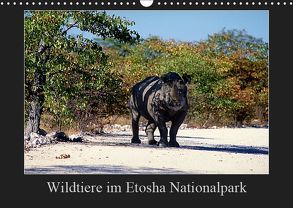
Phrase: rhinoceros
{"type": "Point", "coordinates": [159, 100]}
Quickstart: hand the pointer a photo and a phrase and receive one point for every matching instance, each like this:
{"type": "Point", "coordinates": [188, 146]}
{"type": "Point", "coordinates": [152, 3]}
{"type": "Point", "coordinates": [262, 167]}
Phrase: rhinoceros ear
{"type": "Point", "coordinates": [186, 78]}
{"type": "Point", "coordinates": [165, 78]}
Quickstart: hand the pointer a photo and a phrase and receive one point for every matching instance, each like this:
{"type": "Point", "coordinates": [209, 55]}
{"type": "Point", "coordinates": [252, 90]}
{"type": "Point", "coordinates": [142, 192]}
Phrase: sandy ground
{"type": "Point", "coordinates": [202, 151]}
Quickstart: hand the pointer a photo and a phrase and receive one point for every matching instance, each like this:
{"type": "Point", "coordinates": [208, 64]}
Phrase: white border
{"type": "Point", "coordinates": [159, 3]}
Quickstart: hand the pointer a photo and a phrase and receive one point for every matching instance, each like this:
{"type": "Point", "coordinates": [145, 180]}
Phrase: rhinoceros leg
{"type": "Point", "coordinates": [163, 132]}
{"type": "Point", "coordinates": [150, 129]}
{"type": "Point", "coordinates": [135, 126]}
{"type": "Point", "coordinates": [174, 129]}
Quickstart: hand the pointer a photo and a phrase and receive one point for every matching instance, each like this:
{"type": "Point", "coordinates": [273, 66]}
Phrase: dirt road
{"type": "Point", "coordinates": [202, 151]}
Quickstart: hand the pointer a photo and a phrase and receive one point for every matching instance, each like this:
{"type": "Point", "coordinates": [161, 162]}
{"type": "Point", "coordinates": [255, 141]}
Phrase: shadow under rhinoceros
{"type": "Point", "coordinates": [144, 136]}
{"type": "Point", "coordinates": [230, 149]}
{"type": "Point", "coordinates": [186, 144]}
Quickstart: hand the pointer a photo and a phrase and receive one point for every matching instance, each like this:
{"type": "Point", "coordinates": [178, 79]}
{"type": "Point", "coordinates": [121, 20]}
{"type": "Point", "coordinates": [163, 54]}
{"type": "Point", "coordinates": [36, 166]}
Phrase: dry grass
{"type": "Point", "coordinates": [97, 124]}
{"type": "Point", "coordinates": [94, 125]}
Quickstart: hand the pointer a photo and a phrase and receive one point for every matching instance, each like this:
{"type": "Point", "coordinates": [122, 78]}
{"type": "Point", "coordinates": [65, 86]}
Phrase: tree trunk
{"type": "Point", "coordinates": [37, 92]}
{"type": "Point", "coordinates": [239, 118]}
{"type": "Point", "coordinates": [36, 104]}
{"type": "Point", "coordinates": [34, 118]}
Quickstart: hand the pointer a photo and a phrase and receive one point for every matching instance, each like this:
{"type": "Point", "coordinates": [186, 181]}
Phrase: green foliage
{"type": "Point", "coordinates": [229, 73]}
{"type": "Point", "coordinates": [238, 92]}
{"type": "Point", "coordinates": [77, 79]}
{"type": "Point", "coordinates": [62, 69]}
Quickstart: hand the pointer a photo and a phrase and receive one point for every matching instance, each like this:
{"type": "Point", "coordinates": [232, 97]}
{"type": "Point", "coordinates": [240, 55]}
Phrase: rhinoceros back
{"type": "Point", "coordinates": [142, 92]}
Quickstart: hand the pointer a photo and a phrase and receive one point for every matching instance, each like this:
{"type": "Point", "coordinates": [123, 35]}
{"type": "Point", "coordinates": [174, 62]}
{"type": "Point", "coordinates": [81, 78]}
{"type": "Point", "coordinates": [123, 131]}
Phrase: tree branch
{"type": "Point", "coordinates": [70, 26]}
{"type": "Point", "coordinates": [44, 47]}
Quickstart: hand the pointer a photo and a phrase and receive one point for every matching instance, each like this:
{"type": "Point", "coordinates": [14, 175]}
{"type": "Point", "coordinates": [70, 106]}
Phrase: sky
{"type": "Point", "coordinates": [195, 25]}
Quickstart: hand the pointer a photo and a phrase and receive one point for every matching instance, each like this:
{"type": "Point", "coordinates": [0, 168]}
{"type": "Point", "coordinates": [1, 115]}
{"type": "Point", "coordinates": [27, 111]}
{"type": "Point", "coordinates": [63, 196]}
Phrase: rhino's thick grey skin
{"type": "Point", "coordinates": [159, 100]}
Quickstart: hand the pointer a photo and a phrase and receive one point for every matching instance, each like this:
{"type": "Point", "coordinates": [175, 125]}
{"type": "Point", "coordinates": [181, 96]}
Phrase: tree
{"type": "Point", "coordinates": [60, 67]}
{"type": "Point", "coordinates": [244, 84]}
